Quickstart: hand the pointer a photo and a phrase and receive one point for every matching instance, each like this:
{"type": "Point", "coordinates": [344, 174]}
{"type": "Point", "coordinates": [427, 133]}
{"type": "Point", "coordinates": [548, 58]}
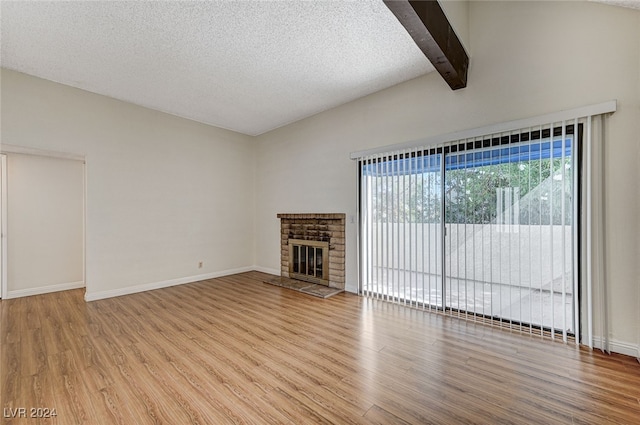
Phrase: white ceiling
{"type": "Point", "coordinates": [247, 66]}
{"type": "Point", "coordinates": [631, 4]}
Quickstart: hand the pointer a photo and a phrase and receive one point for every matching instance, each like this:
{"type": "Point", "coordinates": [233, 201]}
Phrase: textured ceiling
{"type": "Point", "coordinates": [631, 4]}
{"type": "Point", "coordinates": [247, 66]}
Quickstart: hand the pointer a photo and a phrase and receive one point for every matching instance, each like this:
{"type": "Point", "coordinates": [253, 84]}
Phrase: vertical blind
{"type": "Point", "coordinates": [496, 226]}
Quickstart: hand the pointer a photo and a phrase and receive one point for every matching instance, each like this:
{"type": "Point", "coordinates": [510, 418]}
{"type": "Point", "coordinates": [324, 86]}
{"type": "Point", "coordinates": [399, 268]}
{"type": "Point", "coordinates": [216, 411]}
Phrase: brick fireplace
{"type": "Point", "coordinates": [318, 232]}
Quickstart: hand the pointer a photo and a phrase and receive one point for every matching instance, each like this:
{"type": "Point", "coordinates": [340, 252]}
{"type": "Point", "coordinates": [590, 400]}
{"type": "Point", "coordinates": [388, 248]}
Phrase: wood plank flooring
{"type": "Point", "coordinates": [236, 350]}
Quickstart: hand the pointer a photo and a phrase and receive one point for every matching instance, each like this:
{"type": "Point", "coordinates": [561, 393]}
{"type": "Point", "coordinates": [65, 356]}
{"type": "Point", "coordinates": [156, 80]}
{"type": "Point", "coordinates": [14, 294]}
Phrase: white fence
{"type": "Point", "coordinates": [518, 272]}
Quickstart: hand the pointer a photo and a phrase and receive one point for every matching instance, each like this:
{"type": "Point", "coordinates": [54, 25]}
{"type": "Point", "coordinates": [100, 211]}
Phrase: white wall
{"type": "Point", "coordinates": [457, 13]}
{"type": "Point", "coordinates": [163, 193]}
{"type": "Point", "coordinates": [45, 224]}
{"type": "Point", "coordinates": [527, 59]}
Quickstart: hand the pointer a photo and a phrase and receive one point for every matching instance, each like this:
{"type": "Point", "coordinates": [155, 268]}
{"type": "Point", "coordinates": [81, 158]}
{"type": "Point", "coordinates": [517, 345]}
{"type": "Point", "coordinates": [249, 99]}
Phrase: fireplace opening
{"type": "Point", "coordinates": [309, 261]}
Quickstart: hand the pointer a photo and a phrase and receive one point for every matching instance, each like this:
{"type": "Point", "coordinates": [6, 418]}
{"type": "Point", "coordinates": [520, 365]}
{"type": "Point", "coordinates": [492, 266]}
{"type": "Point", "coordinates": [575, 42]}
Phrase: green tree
{"type": "Point", "coordinates": [471, 194]}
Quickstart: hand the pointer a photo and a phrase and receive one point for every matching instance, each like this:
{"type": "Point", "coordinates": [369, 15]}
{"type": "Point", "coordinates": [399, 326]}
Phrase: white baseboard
{"type": "Point", "coordinates": [267, 270]}
{"type": "Point", "coordinates": [45, 289]}
{"type": "Point", "coordinates": [619, 347]}
{"type": "Point", "coordinates": [94, 296]}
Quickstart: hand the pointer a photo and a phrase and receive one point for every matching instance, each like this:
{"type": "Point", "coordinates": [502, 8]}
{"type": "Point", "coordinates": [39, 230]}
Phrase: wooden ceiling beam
{"type": "Point", "coordinates": [430, 29]}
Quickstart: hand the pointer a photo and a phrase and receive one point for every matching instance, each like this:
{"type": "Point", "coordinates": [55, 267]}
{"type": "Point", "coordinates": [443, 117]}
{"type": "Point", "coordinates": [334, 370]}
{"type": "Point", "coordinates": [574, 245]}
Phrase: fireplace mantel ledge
{"type": "Point", "coordinates": [320, 216]}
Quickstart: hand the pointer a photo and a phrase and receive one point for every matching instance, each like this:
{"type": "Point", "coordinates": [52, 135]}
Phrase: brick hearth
{"type": "Point", "coordinates": [315, 227]}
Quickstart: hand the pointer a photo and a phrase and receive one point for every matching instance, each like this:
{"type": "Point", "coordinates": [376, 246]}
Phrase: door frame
{"type": "Point", "coordinates": [3, 226]}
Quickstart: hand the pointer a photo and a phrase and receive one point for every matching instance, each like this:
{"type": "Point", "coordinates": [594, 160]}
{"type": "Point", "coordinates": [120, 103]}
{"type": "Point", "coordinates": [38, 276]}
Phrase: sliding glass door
{"type": "Point", "coordinates": [402, 228]}
{"type": "Point", "coordinates": [483, 228]}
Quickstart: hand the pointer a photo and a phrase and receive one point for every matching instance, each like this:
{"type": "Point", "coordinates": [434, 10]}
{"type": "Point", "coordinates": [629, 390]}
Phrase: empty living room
{"type": "Point", "coordinates": [320, 212]}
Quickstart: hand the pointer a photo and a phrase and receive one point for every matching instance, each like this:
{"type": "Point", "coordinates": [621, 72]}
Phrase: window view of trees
{"type": "Point", "coordinates": [543, 188]}
{"type": "Point", "coordinates": [472, 197]}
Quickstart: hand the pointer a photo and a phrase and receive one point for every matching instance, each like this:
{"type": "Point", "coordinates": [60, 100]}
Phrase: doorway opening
{"type": "Point", "coordinates": [44, 222]}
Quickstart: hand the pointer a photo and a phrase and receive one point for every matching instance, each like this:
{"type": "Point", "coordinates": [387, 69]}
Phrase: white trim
{"type": "Point", "coordinates": [93, 296]}
{"type": "Point", "coordinates": [85, 196]}
{"type": "Point", "coordinates": [588, 276]}
{"type": "Point", "coordinates": [619, 347]}
{"type": "Point", "coordinates": [267, 270]}
{"type": "Point", "coordinates": [44, 289]}
{"type": "Point", "coordinates": [5, 148]}
{"type": "Point", "coordinates": [570, 114]}
{"type": "Point", "coordinates": [3, 229]}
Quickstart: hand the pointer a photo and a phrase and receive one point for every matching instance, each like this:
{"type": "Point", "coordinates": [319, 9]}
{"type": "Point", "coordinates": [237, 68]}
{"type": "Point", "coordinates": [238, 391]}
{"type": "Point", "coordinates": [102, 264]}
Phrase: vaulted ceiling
{"type": "Point", "coordinates": [248, 66]}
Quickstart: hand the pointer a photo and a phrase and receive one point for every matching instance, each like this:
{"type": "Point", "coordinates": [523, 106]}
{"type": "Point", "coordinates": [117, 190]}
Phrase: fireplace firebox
{"type": "Point", "coordinates": [309, 261]}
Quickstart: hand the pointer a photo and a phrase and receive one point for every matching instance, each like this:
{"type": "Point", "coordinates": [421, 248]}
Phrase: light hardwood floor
{"type": "Point", "coordinates": [236, 350]}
